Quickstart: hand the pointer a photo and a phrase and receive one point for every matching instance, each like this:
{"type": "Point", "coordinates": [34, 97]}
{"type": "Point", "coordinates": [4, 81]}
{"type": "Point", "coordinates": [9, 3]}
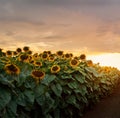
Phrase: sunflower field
{"type": "Point", "coordinates": [51, 85]}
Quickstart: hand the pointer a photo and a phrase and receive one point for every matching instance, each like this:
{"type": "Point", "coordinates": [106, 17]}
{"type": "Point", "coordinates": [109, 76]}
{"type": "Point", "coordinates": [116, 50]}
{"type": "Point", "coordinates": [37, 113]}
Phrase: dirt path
{"type": "Point", "coordinates": [107, 108]}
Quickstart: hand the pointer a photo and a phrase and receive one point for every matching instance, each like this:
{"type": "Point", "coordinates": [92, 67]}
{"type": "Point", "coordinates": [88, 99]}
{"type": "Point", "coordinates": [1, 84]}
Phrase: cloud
{"type": "Point", "coordinates": [56, 24]}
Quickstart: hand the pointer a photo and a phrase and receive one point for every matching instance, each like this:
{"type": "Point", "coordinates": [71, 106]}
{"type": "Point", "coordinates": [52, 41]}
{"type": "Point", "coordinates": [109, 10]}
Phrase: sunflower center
{"type": "Point", "coordinates": [38, 73]}
{"type": "Point", "coordinates": [24, 57]}
{"type": "Point", "coordinates": [73, 62]}
{"type": "Point", "coordinates": [60, 53]}
{"type": "Point", "coordinates": [12, 68]}
{"type": "Point", "coordinates": [44, 56]}
{"type": "Point", "coordinates": [67, 55]}
{"type": "Point", "coordinates": [19, 50]}
{"type": "Point", "coordinates": [55, 68]}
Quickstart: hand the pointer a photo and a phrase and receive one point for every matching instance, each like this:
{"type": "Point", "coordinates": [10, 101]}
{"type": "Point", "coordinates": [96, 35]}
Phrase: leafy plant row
{"type": "Point", "coordinates": [51, 85]}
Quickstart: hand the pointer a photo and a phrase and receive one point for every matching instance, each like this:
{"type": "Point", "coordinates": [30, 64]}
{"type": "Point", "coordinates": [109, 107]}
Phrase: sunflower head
{"type": "Point", "coordinates": [29, 52]}
{"type": "Point", "coordinates": [74, 62]}
{"type": "Point", "coordinates": [89, 62]}
{"type": "Point", "coordinates": [67, 56]}
{"type": "Point", "coordinates": [32, 61]}
{"type": "Point", "coordinates": [83, 57]}
{"type": "Point", "coordinates": [44, 56]}
{"type": "Point", "coordinates": [26, 49]}
{"type": "Point", "coordinates": [35, 56]}
{"type": "Point", "coordinates": [51, 58]}
{"type": "Point", "coordinates": [59, 53]}
{"type": "Point", "coordinates": [18, 50]}
{"type": "Point", "coordinates": [55, 69]}
{"type": "Point", "coordinates": [15, 53]}
{"type": "Point", "coordinates": [76, 57]}
{"type": "Point", "coordinates": [9, 53]}
{"type": "Point", "coordinates": [38, 75]}
{"type": "Point", "coordinates": [71, 55]}
{"type": "Point", "coordinates": [12, 69]}
{"type": "Point", "coordinates": [24, 57]}
{"type": "Point", "coordinates": [37, 63]}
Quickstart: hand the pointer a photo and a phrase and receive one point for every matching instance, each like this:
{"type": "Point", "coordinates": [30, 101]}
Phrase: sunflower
{"type": "Point", "coordinates": [71, 54]}
{"type": "Point", "coordinates": [48, 52]}
{"type": "Point", "coordinates": [9, 53]}
{"type": "Point", "coordinates": [76, 57]}
{"type": "Point", "coordinates": [55, 69]}
{"type": "Point", "coordinates": [29, 52]}
{"type": "Point", "coordinates": [51, 58]}
{"type": "Point", "coordinates": [18, 50]}
{"type": "Point", "coordinates": [44, 56]}
{"type": "Point", "coordinates": [35, 56]}
{"type": "Point", "coordinates": [67, 56]}
{"type": "Point", "coordinates": [12, 69]}
{"type": "Point", "coordinates": [32, 61]}
{"type": "Point", "coordinates": [24, 58]}
{"type": "Point", "coordinates": [59, 53]}
{"type": "Point", "coordinates": [37, 63]}
{"type": "Point", "coordinates": [15, 53]}
{"type": "Point", "coordinates": [89, 62]}
{"type": "Point", "coordinates": [38, 74]}
{"type": "Point", "coordinates": [83, 57]}
{"type": "Point", "coordinates": [74, 62]}
{"type": "Point", "coordinates": [26, 49]}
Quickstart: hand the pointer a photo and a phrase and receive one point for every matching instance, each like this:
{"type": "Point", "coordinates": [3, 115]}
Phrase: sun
{"type": "Point", "coordinates": [106, 59]}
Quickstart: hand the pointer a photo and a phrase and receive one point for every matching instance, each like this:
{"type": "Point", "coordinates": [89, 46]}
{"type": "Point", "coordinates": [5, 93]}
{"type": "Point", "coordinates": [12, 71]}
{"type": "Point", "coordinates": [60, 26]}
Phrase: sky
{"type": "Point", "coordinates": [85, 26]}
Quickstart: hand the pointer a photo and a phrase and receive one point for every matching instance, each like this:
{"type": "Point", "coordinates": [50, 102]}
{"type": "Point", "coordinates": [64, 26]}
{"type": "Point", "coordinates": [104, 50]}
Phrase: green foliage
{"type": "Point", "coordinates": [65, 94]}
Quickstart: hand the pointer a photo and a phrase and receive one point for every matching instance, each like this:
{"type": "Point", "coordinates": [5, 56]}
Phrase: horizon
{"type": "Point", "coordinates": [82, 26]}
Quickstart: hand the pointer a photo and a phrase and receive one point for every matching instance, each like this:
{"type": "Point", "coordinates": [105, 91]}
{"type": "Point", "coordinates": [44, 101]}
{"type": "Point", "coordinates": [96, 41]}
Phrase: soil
{"type": "Point", "coordinates": [108, 107]}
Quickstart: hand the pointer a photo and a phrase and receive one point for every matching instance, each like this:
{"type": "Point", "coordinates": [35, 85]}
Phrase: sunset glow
{"type": "Point", "coordinates": [81, 26]}
{"type": "Point", "coordinates": [110, 59]}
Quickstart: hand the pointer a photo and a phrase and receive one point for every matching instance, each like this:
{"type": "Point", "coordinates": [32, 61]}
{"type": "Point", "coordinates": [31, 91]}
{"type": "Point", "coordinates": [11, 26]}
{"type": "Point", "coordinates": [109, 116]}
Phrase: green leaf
{"type": "Point", "coordinates": [48, 104]}
{"type": "Point", "coordinates": [39, 90]}
{"type": "Point", "coordinates": [48, 79]}
{"type": "Point", "coordinates": [40, 100]}
{"type": "Point", "coordinates": [5, 97]}
{"type": "Point", "coordinates": [12, 106]}
{"type": "Point", "coordinates": [71, 99]}
{"type": "Point", "coordinates": [26, 98]}
{"type": "Point", "coordinates": [83, 90]}
{"type": "Point", "coordinates": [29, 94]}
{"type": "Point", "coordinates": [57, 89]}
{"type": "Point", "coordinates": [5, 81]}
{"type": "Point", "coordinates": [21, 99]}
{"type": "Point", "coordinates": [80, 78]}
{"type": "Point", "coordinates": [93, 71]}
{"type": "Point", "coordinates": [73, 85]}
{"type": "Point", "coordinates": [57, 113]}
{"type": "Point", "coordinates": [11, 110]}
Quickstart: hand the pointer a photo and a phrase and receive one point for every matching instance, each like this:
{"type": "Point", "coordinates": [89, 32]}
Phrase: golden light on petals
{"type": "Point", "coordinates": [55, 69]}
{"type": "Point", "coordinates": [67, 56]}
{"type": "Point", "coordinates": [83, 57]}
{"type": "Point", "coordinates": [38, 74]}
{"type": "Point", "coordinates": [51, 58]}
{"type": "Point", "coordinates": [89, 62]}
{"type": "Point", "coordinates": [59, 53]}
{"type": "Point", "coordinates": [12, 69]}
{"type": "Point", "coordinates": [24, 58]}
{"type": "Point", "coordinates": [74, 62]}
{"type": "Point", "coordinates": [8, 53]}
{"type": "Point", "coordinates": [18, 50]}
{"type": "Point", "coordinates": [37, 63]}
{"type": "Point", "coordinates": [44, 56]}
{"type": "Point", "coordinates": [26, 49]}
